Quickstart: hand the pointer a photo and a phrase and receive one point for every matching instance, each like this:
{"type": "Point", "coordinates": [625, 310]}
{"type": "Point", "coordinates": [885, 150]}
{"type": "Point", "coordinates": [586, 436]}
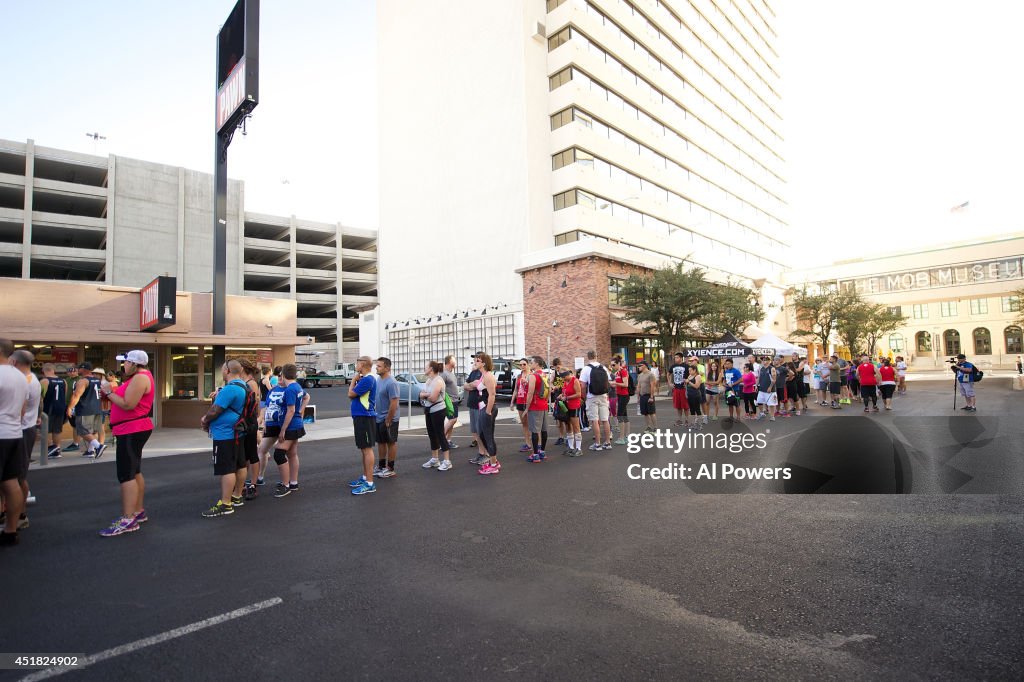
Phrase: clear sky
{"type": "Point", "coordinates": [895, 110]}
{"type": "Point", "coordinates": [141, 72]}
{"type": "Point", "coordinates": [898, 110]}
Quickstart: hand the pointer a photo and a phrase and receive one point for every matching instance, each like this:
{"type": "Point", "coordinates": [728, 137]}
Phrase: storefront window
{"type": "Point", "coordinates": [185, 373]}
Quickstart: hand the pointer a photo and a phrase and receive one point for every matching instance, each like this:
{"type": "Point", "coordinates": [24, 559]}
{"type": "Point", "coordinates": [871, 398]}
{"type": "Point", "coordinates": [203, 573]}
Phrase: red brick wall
{"type": "Point", "coordinates": [581, 308]}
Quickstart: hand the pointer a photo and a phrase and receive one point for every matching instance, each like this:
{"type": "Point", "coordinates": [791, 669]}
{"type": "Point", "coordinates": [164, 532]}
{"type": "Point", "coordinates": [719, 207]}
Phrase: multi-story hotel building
{"type": "Point", "coordinates": [535, 153]}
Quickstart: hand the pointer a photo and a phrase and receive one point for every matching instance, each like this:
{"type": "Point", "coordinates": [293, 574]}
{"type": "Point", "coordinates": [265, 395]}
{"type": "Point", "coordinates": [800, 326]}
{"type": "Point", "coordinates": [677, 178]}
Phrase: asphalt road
{"type": "Point", "coordinates": [566, 569]}
{"type": "Point", "coordinates": [330, 401]}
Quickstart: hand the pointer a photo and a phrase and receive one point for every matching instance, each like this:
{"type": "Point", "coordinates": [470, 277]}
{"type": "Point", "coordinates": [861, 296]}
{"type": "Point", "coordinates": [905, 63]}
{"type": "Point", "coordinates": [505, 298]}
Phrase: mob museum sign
{"type": "Point", "coordinates": [978, 272]}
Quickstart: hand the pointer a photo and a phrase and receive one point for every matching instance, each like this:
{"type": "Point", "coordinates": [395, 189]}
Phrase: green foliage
{"type": "Point", "coordinates": [857, 323]}
{"type": "Point", "coordinates": [820, 313]}
{"type": "Point", "coordinates": [880, 322]}
{"type": "Point", "coordinates": [669, 303]}
{"type": "Point", "coordinates": [732, 310]}
{"type": "Point", "coordinates": [852, 321]}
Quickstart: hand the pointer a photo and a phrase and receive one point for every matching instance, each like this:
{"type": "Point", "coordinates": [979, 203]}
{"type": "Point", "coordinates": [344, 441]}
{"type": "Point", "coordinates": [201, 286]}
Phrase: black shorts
{"type": "Point", "coordinates": [28, 441]}
{"type": "Point", "coordinates": [835, 388]}
{"type": "Point", "coordinates": [646, 405]}
{"type": "Point", "coordinates": [456, 406]}
{"type": "Point", "coordinates": [365, 431]}
{"type": "Point", "coordinates": [571, 413]}
{"type": "Point", "coordinates": [129, 455]}
{"type": "Point", "coordinates": [387, 434]}
{"type": "Point", "coordinates": [251, 446]}
{"type": "Point", "coordinates": [803, 389]}
{"type": "Point", "coordinates": [792, 391]}
{"type": "Point", "coordinates": [842, 380]}
{"type": "Point", "coordinates": [780, 391]}
{"type": "Point", "coordinates": [289, 434]}
{"type": "Point", "coordinates": [228, 457]}
{"type": "Point", "coordinates": [11, 455]}
{"type": "Point", "coordinates": [56, 422]}
{"type": "Point", "coordinates": [521, 407]}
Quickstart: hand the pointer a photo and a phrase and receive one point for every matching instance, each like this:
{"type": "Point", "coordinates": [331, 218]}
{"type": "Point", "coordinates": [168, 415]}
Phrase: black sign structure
{"type": "Point", "coordinates": [238, 60]}
{"type": "Point", "coordinates": [158, 304]}
{"type": "Point", "coordinates": [237, 93]}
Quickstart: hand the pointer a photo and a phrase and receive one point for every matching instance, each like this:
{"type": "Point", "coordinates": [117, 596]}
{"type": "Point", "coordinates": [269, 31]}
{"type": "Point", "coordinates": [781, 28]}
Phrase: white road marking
{"type": "Point", "coordinates": [150, 641]}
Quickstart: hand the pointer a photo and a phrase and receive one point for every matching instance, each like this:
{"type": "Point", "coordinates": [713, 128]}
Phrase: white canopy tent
{"type": "Point", "coordinates": [778, 345]}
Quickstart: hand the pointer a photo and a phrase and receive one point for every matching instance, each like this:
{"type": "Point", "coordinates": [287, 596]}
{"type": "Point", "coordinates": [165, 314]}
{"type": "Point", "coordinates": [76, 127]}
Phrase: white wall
{"type": "Point", "coordinates": [458, 113]}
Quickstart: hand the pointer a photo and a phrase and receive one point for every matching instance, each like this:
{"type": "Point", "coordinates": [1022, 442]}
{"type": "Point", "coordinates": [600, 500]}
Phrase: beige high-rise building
{"type": "Point", "coordinates": [535, 153]}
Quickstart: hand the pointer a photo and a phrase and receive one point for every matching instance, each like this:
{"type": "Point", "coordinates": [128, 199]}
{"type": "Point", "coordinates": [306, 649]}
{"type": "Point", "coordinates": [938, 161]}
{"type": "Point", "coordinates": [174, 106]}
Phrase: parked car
{"type": "Point", "coordinates": [410, 385]}
{"type": "Point", "coordinates": [506, 371]}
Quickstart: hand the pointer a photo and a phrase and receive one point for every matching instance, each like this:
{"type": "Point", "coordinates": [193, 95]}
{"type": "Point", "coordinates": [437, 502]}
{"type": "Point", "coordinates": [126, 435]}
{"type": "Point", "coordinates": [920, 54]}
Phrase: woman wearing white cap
{"type": "Point", "coordinates": [131, 407]}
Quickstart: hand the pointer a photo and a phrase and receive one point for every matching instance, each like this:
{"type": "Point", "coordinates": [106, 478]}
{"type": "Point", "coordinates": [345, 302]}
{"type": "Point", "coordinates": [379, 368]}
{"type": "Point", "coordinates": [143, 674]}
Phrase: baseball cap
{"type": "Point", "coordinates": [86, 366]}
{"type": "Point", "coordinates": [137, 357]}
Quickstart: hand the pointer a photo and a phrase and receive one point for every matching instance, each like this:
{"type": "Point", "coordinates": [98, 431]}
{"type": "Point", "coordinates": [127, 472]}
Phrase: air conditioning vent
{"type": "Point", "coordinates": [541, 34]}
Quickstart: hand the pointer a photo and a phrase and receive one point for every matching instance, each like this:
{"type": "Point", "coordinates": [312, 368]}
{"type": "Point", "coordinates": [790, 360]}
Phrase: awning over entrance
{"type": "Point", "coordinates": [620, 326]}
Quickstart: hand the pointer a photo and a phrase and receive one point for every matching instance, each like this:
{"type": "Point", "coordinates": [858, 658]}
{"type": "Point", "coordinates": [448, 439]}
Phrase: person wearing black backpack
{"type": "Point", "coordinates": [966, 374]}
{"type": "Point", "coordinates": [221, 422]}
{"type": "Point", "coordinates": [596, 382]}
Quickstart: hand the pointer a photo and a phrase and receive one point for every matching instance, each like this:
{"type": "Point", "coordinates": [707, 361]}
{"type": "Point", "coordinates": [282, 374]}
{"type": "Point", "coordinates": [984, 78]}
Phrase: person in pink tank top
{"type": "Point", "coordinates": [131, 406]}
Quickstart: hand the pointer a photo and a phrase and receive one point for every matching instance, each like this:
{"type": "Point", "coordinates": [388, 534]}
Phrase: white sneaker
{"type": "Point", "coordinates": [376, 469]}
{"type": "Point", "coordinates": [431, 463]}
{"type": "Point", "coordinates": [705, 420]}
{"type": "Point", "coordinates": [445, 465]}
{"type": "Point", "coordinates": [595, 447]}
{"type": "Point", "coordinates": [585, 429]}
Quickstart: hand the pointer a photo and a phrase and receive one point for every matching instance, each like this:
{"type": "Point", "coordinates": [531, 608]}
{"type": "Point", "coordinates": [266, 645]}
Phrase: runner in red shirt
{"type": "Point", "coordinates": [572, 393]}
{"type": "Point", "coordinates": [620, 380]}
{"type": "Point", "coordinates": [519, 399]}
{"type": "Point", "coordinates": [887, 373]}
{"type": "Point", "coordinates": [867, 374]}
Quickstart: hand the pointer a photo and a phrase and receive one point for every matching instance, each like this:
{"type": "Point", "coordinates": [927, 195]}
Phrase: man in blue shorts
{"type": "Point", "coordinates": [363, 394]}
{"type": "Point", "coordinates": [228, 454]}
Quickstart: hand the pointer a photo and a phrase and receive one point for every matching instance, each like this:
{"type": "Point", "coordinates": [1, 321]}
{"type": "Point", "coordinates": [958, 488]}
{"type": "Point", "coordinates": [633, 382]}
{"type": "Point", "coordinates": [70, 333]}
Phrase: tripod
{"type": "Point", "coordinates": [956, 379]}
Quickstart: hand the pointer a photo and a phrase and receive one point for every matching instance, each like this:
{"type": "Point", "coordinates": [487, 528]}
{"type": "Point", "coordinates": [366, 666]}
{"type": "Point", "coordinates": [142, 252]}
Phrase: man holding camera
{"type": "Point", "coordinates": [965, 375]}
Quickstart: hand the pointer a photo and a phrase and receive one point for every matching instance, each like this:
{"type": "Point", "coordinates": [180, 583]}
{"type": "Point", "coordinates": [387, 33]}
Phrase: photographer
{"type": "Point", "coordinates": [965, 375]}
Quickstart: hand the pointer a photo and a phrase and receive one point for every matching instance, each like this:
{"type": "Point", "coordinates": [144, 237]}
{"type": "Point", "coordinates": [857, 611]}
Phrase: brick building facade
{"type": "Point", "coordinates": [574, 294]}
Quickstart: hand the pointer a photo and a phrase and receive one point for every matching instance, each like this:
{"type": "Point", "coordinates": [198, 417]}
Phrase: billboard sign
{"type": "Point", "coordinates": [238, 65]}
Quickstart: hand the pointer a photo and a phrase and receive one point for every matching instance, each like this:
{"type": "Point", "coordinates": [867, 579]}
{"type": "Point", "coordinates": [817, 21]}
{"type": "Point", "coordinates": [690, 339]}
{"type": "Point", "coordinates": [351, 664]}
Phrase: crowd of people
{"type": "Point", "coordinates": [258, 413]}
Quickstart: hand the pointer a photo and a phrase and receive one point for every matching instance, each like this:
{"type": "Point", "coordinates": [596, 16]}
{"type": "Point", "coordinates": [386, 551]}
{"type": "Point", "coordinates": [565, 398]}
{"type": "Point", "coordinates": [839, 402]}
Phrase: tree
{"type": "Point", "coordinates": [732, 310]}
{"type": "Point", "coordinates": [668, 303]}
{"type": "Point", "coordinates": [852, 322]}
{"type": "Point", "coordinates": [819, 312]}
{"type": "Point", "coordinates": [881, 321]}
